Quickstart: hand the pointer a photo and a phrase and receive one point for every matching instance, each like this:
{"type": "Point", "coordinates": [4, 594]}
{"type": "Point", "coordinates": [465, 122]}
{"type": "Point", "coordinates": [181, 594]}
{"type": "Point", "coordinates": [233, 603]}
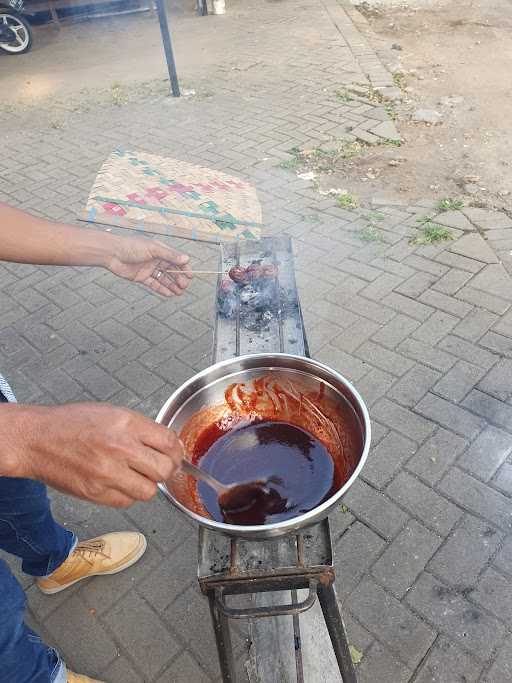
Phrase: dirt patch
{"type": "Point", "coordinates": [452, 58]}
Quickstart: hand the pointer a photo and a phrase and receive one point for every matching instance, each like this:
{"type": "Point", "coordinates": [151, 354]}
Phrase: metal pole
{"type": "Point", "coordinates": [166, 40]}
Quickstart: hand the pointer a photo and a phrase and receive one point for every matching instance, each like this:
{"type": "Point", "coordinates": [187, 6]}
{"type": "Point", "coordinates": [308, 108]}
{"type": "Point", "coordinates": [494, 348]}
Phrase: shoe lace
{"type": "Point", "coordinates": [89, 550]}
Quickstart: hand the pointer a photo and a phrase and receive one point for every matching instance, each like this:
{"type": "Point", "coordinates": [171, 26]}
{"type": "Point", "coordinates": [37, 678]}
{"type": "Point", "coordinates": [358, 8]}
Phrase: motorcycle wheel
{"type": "Point", "coordinates": [21, 28]}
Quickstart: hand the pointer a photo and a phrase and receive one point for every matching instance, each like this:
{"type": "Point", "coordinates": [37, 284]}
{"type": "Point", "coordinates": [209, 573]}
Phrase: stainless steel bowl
{"type": "Point", "coordinates": [207, 388]}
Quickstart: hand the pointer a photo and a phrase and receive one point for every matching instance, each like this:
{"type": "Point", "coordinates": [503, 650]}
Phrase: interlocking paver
{"type": "Point", "coordinates": [184, 669]}
{"type": "Point", "coordinates": [503, 478]}
{"type": "Point", "coordinates": [497, 343]}
{"type": "Point", "coordinates": [454, 616]}
{"type": "Point", "coordinates": [458, 381]}
{"type": "Point", "coordinates": [403, 420]}
{"type": "Point", "coordinates": [435, 328]}
{"type": "Point", "coordinates": [473, 495]}
{"type": "Point", "coordinates": [407, 306]}
{"type": "Point", "coordinates": [492, 409]}
{"type": "Point", "coordinates": [458, 261]}
{"type": "Point", "coordinates": [373, 386]}
{"type": "Point", "coordinates": [417, 284]}
{"type": "Point", "coordinates": [97, 647]}
{"type": "Point", "coordinates": [98, 383]}
{"type": "Point", "coordinates": [394, 332]}
{"type": "Point", "coordinates": [405, 558]}
{"type": "Point", "coordinates": [147, 641]}
{"type": "Point", "coordinates": [350, 367]}
{"type": "Point", "coordinates": [467, 351]}
{"type": "Point", "coordinates": [164, 583]}
{"type": "Point", "coordinates": [466, 553]}
{"type": "Point", "coordinates": [382, 665]}
{"type": "Point", "coordinates": [190, 615]}
{"type": "Point", "coordinates": [429, 355]}
{"type": "Point", "coordinates": [414, 385]}
{"type": "Point", "coordinates": [501, 670]}
{"type": "Point", "coordinates": [447, 662]}
{"type": "Point", "coordinates": [392, 621]}
{"type": "Point", "coordinates": [446, 303]}
{"type": "Point", "coordinates": [494, 592]}
{"type": "Point", "coordinates": [383, 358]}
{"type": "Point", "coordinates": [355, 552]}
{"type": "Point", "coordinates": [450, 416]}
{"type": "Point", "coordinates": [436, 455]}
{"type": "Point", "coordinates": [355, 335]}
{"type": "Point", "coordinates": [498, 382]}
{"type": "Point", "coordinates": [375, 509]}
{"type": "Point", "coordinates": [387, 458]}
{"type": "Point", "coordinates": [486, 453]}
{"type": "Point", "coordinates": [478, 297]}
{"type": "Point", "coordinates": [475, 324]}
{"type": "Point", "coordinates": [420, 500]}
{"type": "Point", "coordinates": [452, 281]}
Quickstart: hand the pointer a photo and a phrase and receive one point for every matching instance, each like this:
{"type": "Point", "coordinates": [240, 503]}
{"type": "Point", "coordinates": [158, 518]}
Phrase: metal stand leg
{"type": "Point", "coordinates": [223, 640]}
{"type": "Point", "coordinates": [336, 628]}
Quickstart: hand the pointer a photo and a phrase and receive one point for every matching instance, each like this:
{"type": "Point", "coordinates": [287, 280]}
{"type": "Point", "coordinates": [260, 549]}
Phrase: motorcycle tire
{"type": "Point", "coordinates": [17, 23]}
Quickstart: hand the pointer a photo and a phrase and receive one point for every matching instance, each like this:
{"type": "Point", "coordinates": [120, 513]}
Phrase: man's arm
{"type": "Point", "coordinates": [95, 451]}
{"type": "Point", "coordinates": [27, 239]}
{"type": "Point", "coordinates": [108, 455]}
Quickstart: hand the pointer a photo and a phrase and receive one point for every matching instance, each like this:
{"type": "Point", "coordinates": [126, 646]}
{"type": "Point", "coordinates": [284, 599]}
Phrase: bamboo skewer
{"type": "Point", "coordinates": [198, 272]}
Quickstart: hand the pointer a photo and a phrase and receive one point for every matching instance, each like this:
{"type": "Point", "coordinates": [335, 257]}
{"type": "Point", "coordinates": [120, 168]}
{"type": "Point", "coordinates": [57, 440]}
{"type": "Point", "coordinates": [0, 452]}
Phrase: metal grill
{"type": "Point", "coordinates": [234, 566]}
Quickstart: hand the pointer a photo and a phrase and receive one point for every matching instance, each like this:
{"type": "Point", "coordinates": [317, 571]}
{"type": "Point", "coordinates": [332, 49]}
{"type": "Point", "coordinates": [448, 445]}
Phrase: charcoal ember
{"type": "Point", "coordinates": [249, 295]}
{"type": "Point", "coordinates": [256, 321]}
{"type": "Point", "coordinates": [269, 270]}
{"type": "Point", "coordinates": [227, 299]}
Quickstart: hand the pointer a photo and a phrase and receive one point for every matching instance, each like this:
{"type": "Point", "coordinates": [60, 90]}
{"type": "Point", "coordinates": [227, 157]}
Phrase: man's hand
{"type": "Point", "coordinates": [146, 261]}
{"type": "Point", "coordinates": [108, 455]}
{"type": "Point", "coordinates": [27, 239]}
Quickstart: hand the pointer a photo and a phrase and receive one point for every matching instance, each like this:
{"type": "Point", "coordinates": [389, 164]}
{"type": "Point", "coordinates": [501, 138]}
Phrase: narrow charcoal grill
{"type": "Point", "coordinates": [253, 321]}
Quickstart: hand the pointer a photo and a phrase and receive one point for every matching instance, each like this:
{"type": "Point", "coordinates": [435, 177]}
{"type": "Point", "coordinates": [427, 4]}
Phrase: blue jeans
{"type": "Point", "coordinates": [27, 530]}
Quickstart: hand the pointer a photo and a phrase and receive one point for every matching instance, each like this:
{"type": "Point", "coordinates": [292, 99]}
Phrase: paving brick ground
{"type": "Point", "coordinates": [424, 548]}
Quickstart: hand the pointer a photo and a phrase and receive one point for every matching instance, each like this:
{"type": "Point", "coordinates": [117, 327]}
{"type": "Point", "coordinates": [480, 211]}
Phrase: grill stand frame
{"type": "Point", "coordinates": [229, 566]}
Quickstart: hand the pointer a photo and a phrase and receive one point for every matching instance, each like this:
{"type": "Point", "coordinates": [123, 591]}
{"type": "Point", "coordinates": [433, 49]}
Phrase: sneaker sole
{"type": "Point", "coordinates": [133, 560]}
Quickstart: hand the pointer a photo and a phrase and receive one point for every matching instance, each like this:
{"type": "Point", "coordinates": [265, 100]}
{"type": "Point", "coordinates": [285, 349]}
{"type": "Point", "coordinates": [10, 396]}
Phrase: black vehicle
{"type": "Point", "coordinates": [15, 31]}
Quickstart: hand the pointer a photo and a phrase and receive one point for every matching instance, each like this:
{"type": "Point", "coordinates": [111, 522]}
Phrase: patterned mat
{"type": "Point", "coordinates": [171, 197]}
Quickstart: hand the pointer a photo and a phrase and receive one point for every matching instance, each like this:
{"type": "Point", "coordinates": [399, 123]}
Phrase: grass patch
{"type": "Point", "coordinates": [311, 218]}
{"type": "Point", "coordinates": [432, 233]}
{"type": "Point", "coordinates": [375, 216]}
{"type": "Point", "coordinates": [290, 164]}
{"type": "Point", "coordinates": [390, 111]}
{"type": "Point", "coordinates": [355, 655]}
{"type": "Point", "coordinates": [344, 95]}
{"type": "Point", "coordinates": [371, 233]}
{"type": "Point", "coordinates": [118, 95]}
{"type": "Point", "coordinates": [374, 95]}
{"type": "Point", "coordinates": [293, 163]}
{"type": "Point", "coordinates": [399, 80]}
{"type": "Point", "coordinates": [322, 160]}
{"type": "Point", "coordinates": [449, 204]}
{"type": "Point", "coordinates": [346, 201]}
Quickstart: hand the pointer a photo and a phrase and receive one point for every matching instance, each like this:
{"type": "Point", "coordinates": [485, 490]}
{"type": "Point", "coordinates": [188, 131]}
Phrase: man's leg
{"type": "Point", "coordinates": [51, 553]}
{"type": "Point", "coordinates": [27, 527]}
{"type": "Point", "coordinates": [27, 530]}
{"type": "Point", "coordinates": [24, 658]}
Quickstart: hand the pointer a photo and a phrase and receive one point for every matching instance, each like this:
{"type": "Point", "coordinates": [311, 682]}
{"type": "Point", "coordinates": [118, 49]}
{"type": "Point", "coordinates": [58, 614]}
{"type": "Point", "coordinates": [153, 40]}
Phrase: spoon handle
{"type": "Point", "coordinates": [198, 473]}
